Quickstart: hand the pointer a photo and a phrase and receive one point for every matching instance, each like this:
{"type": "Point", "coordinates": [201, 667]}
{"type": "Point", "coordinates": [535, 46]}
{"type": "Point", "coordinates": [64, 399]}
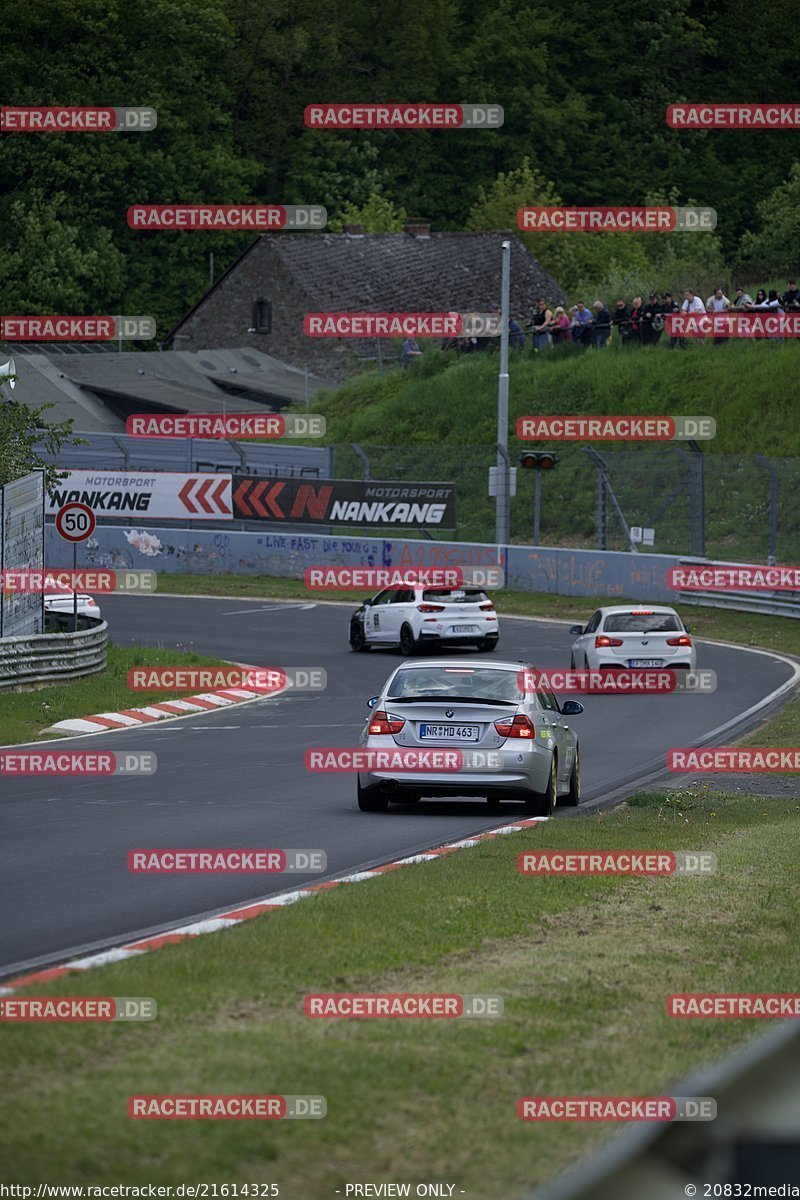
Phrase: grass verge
{"type": "Point", "coordinates": [584, 966]}
{"type": "Point", "coordinates": [26, 715]}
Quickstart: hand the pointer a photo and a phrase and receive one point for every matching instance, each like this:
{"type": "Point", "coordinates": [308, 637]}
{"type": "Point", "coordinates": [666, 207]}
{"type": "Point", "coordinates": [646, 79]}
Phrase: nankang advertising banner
{"type": "Point", "coordinates": [160, 494]}
{"type": "Point", "coordinates": [382, 504]}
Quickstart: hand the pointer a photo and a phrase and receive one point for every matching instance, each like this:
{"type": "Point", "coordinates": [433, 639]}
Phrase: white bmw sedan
{"type": "Point", "coordinates": [632, 636]}
{"type": "Point", "coordinates": [515, 739]}
{"type": "Point", "coordinates": [415, 618]}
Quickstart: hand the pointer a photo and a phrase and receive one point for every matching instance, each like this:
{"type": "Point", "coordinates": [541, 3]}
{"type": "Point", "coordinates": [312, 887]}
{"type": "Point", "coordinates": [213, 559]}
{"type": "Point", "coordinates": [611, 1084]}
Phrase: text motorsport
{"type": "Point", "coordinates": [231, 425]}
{"type": "Point", "coordinates": [50, 119]}
{"type": "Point", "coordinates": [616, 862]}
{"type": "Point", "coordinates": [77, 762]}
{"type": "Point", "coordinates": [401, 324]}
{"type": "Point", "coordinates": [622, 680]}
{"type": "Point", "coordinates": [397, 115]}
{"type": "Point", "coordinates": [230, 1108]}
{"type": "Point", "coordinates": [376, 578]}
{"type": "Point", "coordinates": [78, 1008]}
{"type": "Point", "coordinates": [734, 578]}
{"type": "Point", "coordinates": [338, 759]}
{"type": "Point", "coordinates": [402, 1005]}
{"type": "Point", "coordinates": [236, 217]}
{"type": "Point", "coordinates": [736, 759]}
{"type": "Point", "coordinates": [617, 1108]}
{"type": "Point", "coordinates": [236, 678]}
{"type": "Point", "coordinates": [225, 861]}
{"type": "Point", "coordinates": [84, 580]}
{"type": "Point", "coordinates": [615, 429]}
{"type": "Point", "coordinates": [733, 325]}
{"type": "Point", "coordinates": [76, 329]}
{"type": "Point", "coordinates": [605, 219]}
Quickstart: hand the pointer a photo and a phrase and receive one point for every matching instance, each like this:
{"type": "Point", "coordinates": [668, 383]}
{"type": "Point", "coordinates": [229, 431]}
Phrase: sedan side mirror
{"type": "Point", "coordinates": [687, 628]}
{"type": "Point", "coordinates": [571, 708]}
{"type": "Point", "coordinates": [576, 629]}
{"type": "Point", "coordinates": [367, 602]}
{"type": "Point", "coordinates": [373, 700]}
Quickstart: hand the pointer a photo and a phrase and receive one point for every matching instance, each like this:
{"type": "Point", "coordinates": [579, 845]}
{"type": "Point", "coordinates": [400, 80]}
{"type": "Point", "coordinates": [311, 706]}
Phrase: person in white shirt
{"type": "Point", "coordinates": [691, 304]}
{"type": "Point", "coordinates": [719, 302]}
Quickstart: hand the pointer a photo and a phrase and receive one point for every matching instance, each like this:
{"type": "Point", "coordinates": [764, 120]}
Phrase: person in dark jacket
{"type": "Point", "coordinates": [668, 305]}
{"type": "Point", "coordinates": [601, 325]}
{"type": "Point", "coordinates": [620, 319]}
{"type": "Point", "coordinates": [651, 329]}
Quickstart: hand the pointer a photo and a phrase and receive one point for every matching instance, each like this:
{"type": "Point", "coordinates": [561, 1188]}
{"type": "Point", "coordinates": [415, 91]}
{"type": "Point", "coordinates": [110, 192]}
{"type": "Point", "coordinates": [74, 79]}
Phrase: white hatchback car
{"type": "Point", "coordinates": [631, 636]}
{"type": "Point", "coordinates": [417, 617]}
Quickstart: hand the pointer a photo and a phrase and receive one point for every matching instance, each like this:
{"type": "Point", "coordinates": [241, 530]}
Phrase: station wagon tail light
{"type": "Point", "coordinates": [430, 608]}
{"type": "Point", "coordinates": [603, 639]}
{"type": "Point", "coordinates": [520, 727]}
{"type": "Point", "coordinates": [683, 640]}
{"type": "Point", "coordinates": [382, 722]}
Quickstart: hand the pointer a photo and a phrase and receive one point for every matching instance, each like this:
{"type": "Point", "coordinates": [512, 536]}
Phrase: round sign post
{"type": "Point", "coordinates": [75, 522]}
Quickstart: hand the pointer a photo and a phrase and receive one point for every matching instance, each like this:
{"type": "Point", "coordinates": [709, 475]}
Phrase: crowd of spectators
{"type": "Point", "coordinates": [634, 324]}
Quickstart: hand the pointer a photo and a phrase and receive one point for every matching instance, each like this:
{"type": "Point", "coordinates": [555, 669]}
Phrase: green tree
{"type": "Point", "coordinates": [776, 243]}
{"type": "Point", "coordinates": [378, 215]}
{"type": "Point", "coordinates": [20, 429]}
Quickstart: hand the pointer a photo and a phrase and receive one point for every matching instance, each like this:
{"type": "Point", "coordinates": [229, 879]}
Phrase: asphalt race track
{"type": "Point", "coordinates": [235, 778]}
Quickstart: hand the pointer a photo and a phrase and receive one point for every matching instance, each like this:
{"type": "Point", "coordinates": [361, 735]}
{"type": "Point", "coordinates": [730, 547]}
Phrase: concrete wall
{"type": "Point", "coordinates": [211, 552]}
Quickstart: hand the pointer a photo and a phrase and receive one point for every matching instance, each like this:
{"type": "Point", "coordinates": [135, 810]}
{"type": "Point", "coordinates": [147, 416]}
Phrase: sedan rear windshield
{"type": "Point", "coordinates": [641, 623]}
{"type": "Point", "coordinates": [456, 681]}
{"type": "Point", "coordinates": [444, 595]}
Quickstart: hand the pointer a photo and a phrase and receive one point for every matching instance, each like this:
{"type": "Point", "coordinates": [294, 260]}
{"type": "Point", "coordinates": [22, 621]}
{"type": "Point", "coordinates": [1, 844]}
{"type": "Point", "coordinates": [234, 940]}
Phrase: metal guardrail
{"type": "Point", "coordinates": [53, 657]}
{"type": "Point", "coordinates": [772, 604]}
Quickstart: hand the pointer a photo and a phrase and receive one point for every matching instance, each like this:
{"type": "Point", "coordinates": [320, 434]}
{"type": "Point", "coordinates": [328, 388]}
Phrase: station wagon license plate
{"type": "Point", "coordinates": [450, 733]}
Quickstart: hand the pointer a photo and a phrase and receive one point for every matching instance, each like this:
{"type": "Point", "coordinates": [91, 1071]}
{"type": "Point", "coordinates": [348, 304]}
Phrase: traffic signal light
{"type": "Point", "coordinates": [538, 460]}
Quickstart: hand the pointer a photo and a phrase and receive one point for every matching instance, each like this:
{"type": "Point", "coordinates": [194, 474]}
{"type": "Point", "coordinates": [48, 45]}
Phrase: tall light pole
{"type": "Point", "coordinates": [502, 526]}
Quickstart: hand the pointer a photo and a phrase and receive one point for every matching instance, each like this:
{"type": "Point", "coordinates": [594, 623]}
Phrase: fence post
{"type": "Point", "coordinates": [769, 467]}
{"type": "Point", "coordinates": [697, 501]}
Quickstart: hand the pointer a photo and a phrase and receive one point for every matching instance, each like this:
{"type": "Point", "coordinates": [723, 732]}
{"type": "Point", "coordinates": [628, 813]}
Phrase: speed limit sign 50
{"type": "Point", "coordinates": [75, 521]}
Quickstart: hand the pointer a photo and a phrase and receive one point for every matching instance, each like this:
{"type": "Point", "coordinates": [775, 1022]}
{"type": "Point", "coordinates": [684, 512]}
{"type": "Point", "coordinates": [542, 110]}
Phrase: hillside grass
{"type": "Point", "coordinates": [437, 422]}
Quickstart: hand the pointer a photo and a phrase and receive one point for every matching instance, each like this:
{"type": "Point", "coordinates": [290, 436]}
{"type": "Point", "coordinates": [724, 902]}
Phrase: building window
{"type": "Point", "coordinates": [262, 316]}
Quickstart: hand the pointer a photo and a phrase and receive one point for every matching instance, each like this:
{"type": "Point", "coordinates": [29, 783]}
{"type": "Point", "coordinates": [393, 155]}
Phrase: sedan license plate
{"type": "Point", "coordinates": [463, 628]}
{"type": "Point", "coordinates": [645, 662]}
{"type": "Point", "coordinates": [450, 733]}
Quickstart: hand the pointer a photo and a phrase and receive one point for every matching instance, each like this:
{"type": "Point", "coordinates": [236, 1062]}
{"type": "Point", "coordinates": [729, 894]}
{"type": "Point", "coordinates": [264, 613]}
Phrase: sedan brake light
{"type": "Point", "coordinates": [382, 722]}
{"type": "Point", "coordinates": [602, 639]}
{"type": "Point", "coordinates": [683, 640]}
{"type": "Point", "coordinates": [430, 608]}
{"type": "Point", "coordinates": [487, 607]}
{"type": "Point", "coordinates": [520, 727]}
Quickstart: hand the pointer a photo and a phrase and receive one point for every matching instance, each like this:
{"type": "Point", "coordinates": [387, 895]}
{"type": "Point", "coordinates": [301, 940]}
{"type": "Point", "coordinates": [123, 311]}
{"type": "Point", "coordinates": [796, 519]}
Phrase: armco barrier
{"type": "Point", "coordinates": [53, 657]}
{"type": "Point", "coordinates": [606, 574]}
